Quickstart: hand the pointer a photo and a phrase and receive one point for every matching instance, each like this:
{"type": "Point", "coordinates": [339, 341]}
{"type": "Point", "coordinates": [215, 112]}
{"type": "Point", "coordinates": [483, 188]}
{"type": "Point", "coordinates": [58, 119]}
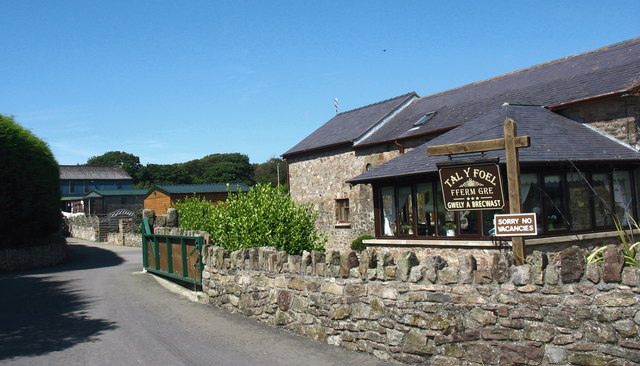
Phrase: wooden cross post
{"type": "Point", "coordinates": [513, 182]}
{"type": "Point", "coordinates": [510, 143]}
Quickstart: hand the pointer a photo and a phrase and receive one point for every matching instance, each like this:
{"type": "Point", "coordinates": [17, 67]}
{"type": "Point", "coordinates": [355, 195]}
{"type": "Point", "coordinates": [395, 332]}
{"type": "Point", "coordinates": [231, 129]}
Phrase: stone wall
{"type": "Point", "coordinates": [319, 180]}
{"type": "Point", "coordinates": [32, 257]}
{"type": "Point", "coordinates": [86, 228]}
{"type": "Point", "coordinates": [617, 116]}
{"type": "Point", "coordinates": [562, 311]}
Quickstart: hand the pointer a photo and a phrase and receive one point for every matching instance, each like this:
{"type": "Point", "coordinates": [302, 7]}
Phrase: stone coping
{"type": "Point", "coordinates": [529, 241]}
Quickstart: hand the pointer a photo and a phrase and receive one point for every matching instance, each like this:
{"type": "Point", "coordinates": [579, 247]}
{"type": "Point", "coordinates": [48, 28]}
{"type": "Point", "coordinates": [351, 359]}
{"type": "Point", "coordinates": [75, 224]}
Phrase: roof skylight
{"type": "Point", "coordinates": [424, 119]}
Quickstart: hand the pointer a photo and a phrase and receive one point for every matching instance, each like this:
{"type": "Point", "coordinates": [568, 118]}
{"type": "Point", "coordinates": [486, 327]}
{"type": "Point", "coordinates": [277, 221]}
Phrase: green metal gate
{"type": "Point", "coordinates": [175, 256]}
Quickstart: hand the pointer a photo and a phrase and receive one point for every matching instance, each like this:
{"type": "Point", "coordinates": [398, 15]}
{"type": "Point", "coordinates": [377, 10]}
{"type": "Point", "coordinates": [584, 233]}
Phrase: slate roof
{"type": "Point", "coordinates": [200, 188]}
{"type": "Point", "coordinates": [347, 126]}
{"type": "Point", "coordinates": [93, 172]}
{"type": "Point", "coordinates": [554, 138]}
{"type": "Point", "coordinates": [608, 70]}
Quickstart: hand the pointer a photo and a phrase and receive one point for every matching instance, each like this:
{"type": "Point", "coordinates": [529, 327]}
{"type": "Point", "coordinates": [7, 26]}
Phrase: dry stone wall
{"type": "Point", "coordinates": [15, 259]}
{"type": "Point", "coordinates": [426, 311]}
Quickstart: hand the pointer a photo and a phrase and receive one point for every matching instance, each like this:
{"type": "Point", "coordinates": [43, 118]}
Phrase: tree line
{"type": "Point", "coordinates": [214, 168]}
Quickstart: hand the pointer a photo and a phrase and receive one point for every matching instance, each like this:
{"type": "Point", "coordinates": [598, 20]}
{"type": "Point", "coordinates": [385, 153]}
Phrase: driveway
{"type": "Point", "coordinates": [99, 308]}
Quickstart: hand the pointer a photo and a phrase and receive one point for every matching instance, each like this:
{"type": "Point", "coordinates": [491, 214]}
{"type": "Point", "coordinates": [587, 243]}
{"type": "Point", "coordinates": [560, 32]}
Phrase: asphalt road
{"type": "Point", "coordinates": [99, 308]}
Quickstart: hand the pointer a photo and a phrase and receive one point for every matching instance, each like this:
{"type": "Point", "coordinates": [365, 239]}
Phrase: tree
{"type": "Point", "coordinates": [29, 189]}
{"type": "Point", "coordinates": [270, 171]}
{"type": "Point", "coordinates": [226, 168]}
{"type": "Point", "coordinates": [129, 162]}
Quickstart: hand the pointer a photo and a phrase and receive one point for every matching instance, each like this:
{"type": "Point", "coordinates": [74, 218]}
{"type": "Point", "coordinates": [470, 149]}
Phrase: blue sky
{"type": "Point", "coordinates": [172, 81]}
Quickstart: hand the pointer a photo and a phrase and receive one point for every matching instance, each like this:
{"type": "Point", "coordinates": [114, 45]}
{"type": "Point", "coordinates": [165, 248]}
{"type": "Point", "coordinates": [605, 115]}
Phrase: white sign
{"type": "Point", "coordinates": [515, 224]}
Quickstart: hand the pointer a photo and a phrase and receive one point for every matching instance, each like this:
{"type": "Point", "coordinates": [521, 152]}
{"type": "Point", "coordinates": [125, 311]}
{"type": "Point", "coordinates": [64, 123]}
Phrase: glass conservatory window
{"type": "Point", "coordinates": [388, 212]}
{"type": "Point", "coordinates": [405, 210]}
{"type": "Point", "coordinates": [579, 201]}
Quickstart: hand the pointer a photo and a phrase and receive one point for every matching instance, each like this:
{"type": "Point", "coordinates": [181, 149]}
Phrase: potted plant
{"type": "Point", "coordinates": [450, 228]}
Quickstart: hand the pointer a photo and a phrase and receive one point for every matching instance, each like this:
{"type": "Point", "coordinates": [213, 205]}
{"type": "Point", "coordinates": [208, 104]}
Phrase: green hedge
{"type": "Point", "coordinates": [265, 216]}
{"type": "Point", "coordinates": [29, 188]}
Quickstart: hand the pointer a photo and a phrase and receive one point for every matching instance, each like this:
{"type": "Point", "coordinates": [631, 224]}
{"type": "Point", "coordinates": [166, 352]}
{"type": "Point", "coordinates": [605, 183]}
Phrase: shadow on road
{"type": "Point", "coordinates": [86, 257]}
{"type": "Point", "coordinates": [39, 314]}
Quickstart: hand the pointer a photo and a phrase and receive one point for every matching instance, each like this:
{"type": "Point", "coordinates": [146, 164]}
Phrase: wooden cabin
{"type": "Point", "coordinates": [161, 197]}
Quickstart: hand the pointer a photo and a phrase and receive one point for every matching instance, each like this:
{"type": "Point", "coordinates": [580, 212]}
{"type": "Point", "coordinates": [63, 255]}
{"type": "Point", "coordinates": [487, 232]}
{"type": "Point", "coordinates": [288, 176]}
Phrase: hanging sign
{"type": "Point", "coordinates": [515, 224]}
{"type": "Point", "coordinates": [472, 188]}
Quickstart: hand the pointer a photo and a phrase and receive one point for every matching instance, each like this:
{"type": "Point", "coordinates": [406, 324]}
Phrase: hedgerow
{"type": "Point", "coordinates": [29, 188]}
{"type": "Point", "coordinates": [264, 216]}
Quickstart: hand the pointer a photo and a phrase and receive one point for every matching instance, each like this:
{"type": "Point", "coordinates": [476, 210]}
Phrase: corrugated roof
{"type": "Point", "coordinates": [93, 172]}
{"type": "Point", "coordinates": [201, 188]}
{"type": "Point", "coordinates": [119, 192]}
{"type": "Point", "coordinates": [348, 126]}
{"type": "Point", "coordinates": [554, 139]}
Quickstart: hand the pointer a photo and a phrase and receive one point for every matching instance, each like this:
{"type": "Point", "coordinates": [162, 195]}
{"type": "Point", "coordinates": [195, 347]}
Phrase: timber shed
{"type": "Point", "coordinates": [161, 197]}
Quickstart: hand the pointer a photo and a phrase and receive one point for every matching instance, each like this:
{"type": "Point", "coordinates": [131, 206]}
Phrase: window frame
{"type": "Point", "coordinates": [343, 210]}
{"type": "Point", "coordinates": [540, 172]}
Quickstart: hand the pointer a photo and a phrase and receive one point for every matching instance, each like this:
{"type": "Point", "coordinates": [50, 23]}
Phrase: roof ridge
{"type": "Point", "coordinates": [380, 102]}
{"type": "Point", "coordinates": [604, 48]}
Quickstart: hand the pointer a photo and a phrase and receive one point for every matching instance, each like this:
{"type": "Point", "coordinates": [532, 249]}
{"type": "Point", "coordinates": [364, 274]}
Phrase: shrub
{"type": "Point", "coordinates": [629, 249]}
{"type": "Point", "coordinates": [358, 245]}
{"type": "Point", "coordinates": [264, 216]}
{"type": "Point", "coordinates": [29, 188]}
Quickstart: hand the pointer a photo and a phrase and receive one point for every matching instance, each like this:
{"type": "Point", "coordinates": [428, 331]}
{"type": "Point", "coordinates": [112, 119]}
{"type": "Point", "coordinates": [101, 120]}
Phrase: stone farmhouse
{"type": "Point", "coordinates": [367, 170]}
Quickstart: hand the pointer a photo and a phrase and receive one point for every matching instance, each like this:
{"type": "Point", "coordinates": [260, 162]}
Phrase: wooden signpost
{"type": "Point", "coordinates": [510, 143]}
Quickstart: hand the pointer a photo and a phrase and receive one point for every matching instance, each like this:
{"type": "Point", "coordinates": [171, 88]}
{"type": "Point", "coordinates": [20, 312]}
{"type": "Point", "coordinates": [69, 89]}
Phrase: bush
{"type": "Point", "coordinates": [264, 216]}
{"type": "Point", "coordinates": [358, 245]}
{"type": "Point", "coordinates": [29, 188]}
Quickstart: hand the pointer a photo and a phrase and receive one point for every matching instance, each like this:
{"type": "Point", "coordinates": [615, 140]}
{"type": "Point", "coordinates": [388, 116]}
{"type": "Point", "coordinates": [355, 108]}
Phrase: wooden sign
{"type": "Point", "coordinates": [510, 144]}
{"type": "Point", "coordinates": [472, 188]}
{"type": "Point", "coordinates": [515, 224]}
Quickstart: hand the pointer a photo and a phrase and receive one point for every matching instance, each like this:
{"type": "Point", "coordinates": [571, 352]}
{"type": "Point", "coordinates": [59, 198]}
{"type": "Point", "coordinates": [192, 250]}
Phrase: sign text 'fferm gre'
{"type": "Point", "coordinates": [515, 224]}
{"type": "Point", "coordinates": [474, 187]}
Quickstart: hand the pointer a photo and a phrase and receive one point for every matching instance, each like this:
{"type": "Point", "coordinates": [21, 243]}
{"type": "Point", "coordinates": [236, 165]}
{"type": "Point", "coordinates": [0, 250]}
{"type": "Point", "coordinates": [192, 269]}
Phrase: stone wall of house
{"type": "Point", "coordinates": [16, 259]}
{"type": "Point", "coordinates": [617, 116]}
{"type": "Point", "coordinates": [319, 179]}
{"type": "Point", "coordinates": [545, 312]}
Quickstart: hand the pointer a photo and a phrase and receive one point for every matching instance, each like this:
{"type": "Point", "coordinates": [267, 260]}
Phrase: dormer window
{"type": "Point", "coordinates": [424, 119]}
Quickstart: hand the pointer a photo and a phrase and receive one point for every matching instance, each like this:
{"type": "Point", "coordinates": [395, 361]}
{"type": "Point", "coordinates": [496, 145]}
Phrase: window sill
{"type": "Point", "coordinates": [342, 225]}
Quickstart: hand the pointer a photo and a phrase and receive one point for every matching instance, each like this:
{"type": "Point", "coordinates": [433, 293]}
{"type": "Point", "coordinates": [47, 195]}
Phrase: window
{"type": "Point", "coordinates": [86, 186]}
{"type": "Point", "coordinates": [405, 210]}
{"type": "Point", "coordinates": [72, 187]}
{"type": "Point", "coordinates": [424, 119]}
{"type": "Point", "coordinates": [388, 211]}
{"type": "Point", "coordinates": [342, 210]}
{"type": "Point", "coordinates": [563, 200]}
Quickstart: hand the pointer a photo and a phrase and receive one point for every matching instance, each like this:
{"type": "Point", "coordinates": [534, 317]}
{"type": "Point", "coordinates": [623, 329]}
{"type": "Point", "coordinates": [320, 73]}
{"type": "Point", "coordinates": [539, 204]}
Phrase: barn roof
{"type": "Point", "coordinates": [201, 188]}
{"type": "Point", "coordinates": [117, 192]}
{"type": "Point", "coordinates": [93, 172]}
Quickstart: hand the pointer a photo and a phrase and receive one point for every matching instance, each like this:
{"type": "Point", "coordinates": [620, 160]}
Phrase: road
{"type": "Point", "coordinates": [99, 308]}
